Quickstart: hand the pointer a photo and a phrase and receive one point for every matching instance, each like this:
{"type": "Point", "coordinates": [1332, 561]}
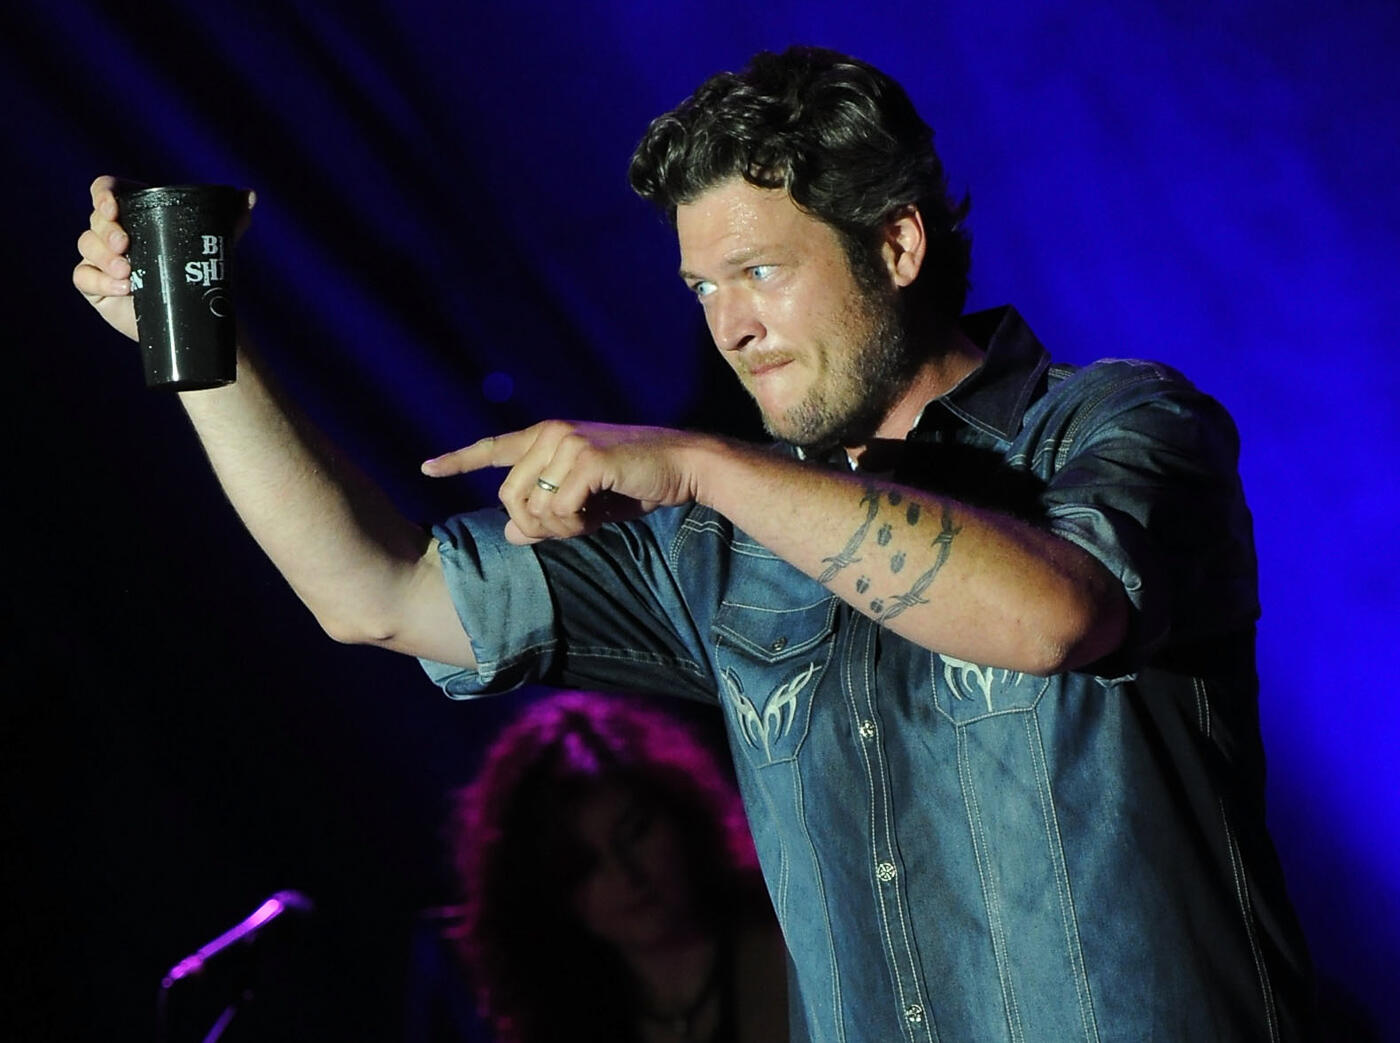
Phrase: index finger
{"type": "Point", "coordinates": [491, 451]}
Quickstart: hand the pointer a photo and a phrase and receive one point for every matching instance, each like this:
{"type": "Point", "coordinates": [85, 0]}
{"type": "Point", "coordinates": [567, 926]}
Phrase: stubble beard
{"type": "Point", "coordinates": [848, 407]}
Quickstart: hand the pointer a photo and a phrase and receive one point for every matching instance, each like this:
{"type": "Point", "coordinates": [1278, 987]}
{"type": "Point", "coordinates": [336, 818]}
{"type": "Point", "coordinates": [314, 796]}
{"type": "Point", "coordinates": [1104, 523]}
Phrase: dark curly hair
{"type": "Point", "coordinates": [840, 136]}
{"type": "Point", "coordinates": [538, 974]}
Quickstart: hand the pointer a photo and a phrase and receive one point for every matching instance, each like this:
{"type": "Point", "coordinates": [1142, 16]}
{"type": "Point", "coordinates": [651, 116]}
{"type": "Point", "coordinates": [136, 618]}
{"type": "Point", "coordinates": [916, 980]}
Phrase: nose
{"type": "Point", "coordinates": [734, 323]}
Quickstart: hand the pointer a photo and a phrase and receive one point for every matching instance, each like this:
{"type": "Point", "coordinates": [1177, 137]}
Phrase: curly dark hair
{"type": "Point", "coordinates": [539, 975]}
{"type": "Point", "coordinates": [840, 136]}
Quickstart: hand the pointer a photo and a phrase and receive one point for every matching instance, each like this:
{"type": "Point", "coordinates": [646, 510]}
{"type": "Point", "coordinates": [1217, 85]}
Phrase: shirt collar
{"type": "Point", "coordinates": [995, 395]}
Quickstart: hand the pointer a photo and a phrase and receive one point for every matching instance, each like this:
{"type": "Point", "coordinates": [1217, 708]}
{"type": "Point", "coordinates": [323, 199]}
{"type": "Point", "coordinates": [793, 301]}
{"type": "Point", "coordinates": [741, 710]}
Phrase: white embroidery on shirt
{"type": "Point", "coordinates": [779, 712]}
{"type": "Point", "coordinates": [963, 677]}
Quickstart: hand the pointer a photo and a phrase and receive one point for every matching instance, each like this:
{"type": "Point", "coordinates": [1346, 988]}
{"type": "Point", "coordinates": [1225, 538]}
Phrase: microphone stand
{"type": "Point", "coordinates": [243, 996]}
{"type": "Point", "coordinates": [240, 937]}
{"type": "Point", "coordinates": [222, 1022]}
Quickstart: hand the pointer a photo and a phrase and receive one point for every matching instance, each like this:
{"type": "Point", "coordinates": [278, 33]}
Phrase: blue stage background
{"type": "Point", "coordinates": [445, 247]}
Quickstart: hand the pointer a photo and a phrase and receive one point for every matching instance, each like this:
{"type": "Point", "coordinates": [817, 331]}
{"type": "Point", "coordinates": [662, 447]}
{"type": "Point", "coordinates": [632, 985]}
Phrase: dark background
{"type": "Point", "coordinates": [445, 247]}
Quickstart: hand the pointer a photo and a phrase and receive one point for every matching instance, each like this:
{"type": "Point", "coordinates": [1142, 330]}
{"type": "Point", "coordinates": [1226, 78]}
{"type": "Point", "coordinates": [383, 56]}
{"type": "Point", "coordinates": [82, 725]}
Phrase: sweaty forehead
{"type": "Point", "coordinates": [733, 220]}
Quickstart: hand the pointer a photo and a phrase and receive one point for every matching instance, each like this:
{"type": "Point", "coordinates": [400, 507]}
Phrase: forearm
{"type": "Point", "coordinates": [969, 583]}
{"type": "Point", "coordinates": [957, 580]}
{"type": "Point", "coordinates": [367, 573]}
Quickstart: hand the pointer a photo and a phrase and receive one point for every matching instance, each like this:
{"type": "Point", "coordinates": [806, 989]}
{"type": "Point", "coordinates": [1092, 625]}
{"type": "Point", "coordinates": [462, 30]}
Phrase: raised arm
{"type": "Point", "coordinates": [367, 573]}
{"type": "Point", "coordinates": [957, 580]}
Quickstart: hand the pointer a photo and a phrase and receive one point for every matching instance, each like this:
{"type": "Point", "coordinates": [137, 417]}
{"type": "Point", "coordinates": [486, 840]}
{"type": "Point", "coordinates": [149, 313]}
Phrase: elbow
{"type": "Point", "coordinates": [374, 606]}
{"type": "Point", "coordinates": [349, 632]}
{"type": "Point", "coordinates": [347, 628]}
{"type": "Point", "coordinates": [1081, 631]}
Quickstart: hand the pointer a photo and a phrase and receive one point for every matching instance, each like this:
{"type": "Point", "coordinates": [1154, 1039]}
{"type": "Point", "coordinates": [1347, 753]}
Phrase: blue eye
{"type": "Point", "coordinates": [703, 289]}
{"type": "Point", "coordinates": [761, 271]}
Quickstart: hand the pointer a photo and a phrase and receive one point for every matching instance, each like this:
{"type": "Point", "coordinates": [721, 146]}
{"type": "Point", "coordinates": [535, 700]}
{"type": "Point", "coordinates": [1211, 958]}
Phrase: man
{"type": "Point", "coordinates": [981, 627]}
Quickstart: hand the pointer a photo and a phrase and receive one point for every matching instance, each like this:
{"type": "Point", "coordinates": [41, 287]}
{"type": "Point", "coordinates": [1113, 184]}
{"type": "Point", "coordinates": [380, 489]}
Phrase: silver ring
{"type": "Point", "coordinates": [546, 485]}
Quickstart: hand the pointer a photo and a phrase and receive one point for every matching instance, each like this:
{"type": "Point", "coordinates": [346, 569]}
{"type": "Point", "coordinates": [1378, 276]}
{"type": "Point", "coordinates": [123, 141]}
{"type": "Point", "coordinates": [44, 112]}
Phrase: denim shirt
{"type": "Point", "coordinates": [957, 852]}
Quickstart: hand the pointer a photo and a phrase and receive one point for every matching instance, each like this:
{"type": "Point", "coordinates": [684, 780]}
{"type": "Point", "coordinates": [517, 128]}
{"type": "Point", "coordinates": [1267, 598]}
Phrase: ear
{"type": "Point", "coordinates": [904, 245]}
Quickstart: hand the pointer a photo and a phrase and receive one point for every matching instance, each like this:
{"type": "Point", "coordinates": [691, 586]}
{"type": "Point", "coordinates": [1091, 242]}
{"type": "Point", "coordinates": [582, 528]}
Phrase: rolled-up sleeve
{"type": "Point", "coordinates": [604, 610]}
{"type": "Point", "coordinates": [1145, 479]}
{"type": "Point", "coordinates": [502, 600]}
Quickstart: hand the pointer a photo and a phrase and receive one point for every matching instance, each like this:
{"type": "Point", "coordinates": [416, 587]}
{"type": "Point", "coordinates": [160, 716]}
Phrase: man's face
{"type": "Point", "coordinates": [823, 356]}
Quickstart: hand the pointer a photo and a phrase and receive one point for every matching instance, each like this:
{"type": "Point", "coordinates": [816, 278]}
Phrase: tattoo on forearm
{"type": "Point", "coordinates": [915, 596]}
{"type": "Point", "coordinates": [871, 502]}
{"type": "Point", "coordinates": [884, 610]}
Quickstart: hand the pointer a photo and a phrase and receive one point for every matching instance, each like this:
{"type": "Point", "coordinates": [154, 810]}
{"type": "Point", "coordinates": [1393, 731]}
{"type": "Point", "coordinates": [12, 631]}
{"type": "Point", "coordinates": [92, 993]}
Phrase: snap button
{"type": "Point", "coordinates": [779, 644]}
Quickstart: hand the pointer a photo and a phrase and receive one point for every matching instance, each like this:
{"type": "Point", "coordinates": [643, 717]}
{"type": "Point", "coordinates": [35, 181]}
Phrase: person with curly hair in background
{"type": "Point", "coordinates": [611, 886]}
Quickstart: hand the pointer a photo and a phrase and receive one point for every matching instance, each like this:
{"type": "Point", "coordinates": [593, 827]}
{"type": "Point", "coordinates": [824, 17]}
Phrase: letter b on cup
{"type": "Point", "coordinates": [179, 253]}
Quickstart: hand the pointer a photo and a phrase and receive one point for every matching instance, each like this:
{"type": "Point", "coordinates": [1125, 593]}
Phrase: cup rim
{"type": "Point", "coordinates": [155, 196]}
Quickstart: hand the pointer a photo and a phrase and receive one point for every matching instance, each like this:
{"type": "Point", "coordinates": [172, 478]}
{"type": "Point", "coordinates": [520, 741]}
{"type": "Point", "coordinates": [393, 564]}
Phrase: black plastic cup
{"type": "Point", "coordinates": [181, 244]}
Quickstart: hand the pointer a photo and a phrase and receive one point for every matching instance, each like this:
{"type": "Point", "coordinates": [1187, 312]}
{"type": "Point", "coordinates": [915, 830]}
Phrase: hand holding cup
{"type": "Point", "coordinates": [167, 250]}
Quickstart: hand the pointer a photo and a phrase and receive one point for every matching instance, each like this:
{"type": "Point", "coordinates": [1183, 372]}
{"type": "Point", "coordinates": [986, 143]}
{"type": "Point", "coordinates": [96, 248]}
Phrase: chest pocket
{"type": "Point", "coordinates": [770, 660]}
{"type": "Point", "coordinates": [966, 692]}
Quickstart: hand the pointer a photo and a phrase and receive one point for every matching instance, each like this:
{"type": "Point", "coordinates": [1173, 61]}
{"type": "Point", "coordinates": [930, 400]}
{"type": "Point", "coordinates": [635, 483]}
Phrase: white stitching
{"type": "Point", "coordinates": [1069, 920]}
{"type": "Point", "coordinates": [1242, 895]}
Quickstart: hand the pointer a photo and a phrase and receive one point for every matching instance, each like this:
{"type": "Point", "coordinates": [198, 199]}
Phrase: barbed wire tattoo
{"type": "Point", "coordinates": [915, 595]}
{"type": "Point", "coordinates": [848, 557]}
